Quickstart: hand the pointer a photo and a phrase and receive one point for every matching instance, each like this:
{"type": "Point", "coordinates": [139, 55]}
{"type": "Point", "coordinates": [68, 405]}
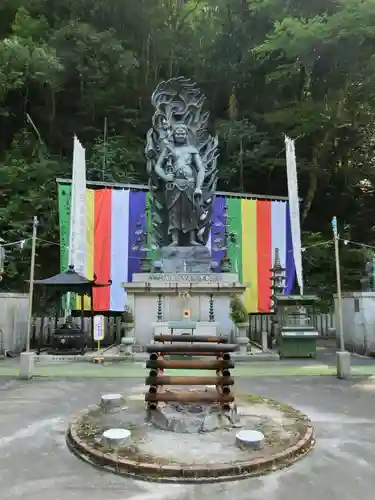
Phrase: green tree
{"type": "Point", "coordinates": [268, 67]}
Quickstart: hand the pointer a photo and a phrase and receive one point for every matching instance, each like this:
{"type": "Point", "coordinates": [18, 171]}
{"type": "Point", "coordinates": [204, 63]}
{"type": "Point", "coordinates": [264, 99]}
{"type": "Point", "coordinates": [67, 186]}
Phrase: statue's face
{"type": "Point", "coordinates": [180, 135]}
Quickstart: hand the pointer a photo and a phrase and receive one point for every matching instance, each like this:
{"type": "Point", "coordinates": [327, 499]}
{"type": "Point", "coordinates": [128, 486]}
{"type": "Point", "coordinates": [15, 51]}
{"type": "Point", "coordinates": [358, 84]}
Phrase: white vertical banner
{"type": "Point", "coordinates": [2, 258]}
{"type": "Point", "coordinates": [295, 224]}
{"type": "Point", "coordinates": [77, 237]}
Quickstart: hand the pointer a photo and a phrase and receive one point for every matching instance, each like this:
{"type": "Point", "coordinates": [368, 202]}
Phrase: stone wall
{"type": "Point", "coordinates": [13, 321]}
{"type": "Point", "coordinates": [358, 309]}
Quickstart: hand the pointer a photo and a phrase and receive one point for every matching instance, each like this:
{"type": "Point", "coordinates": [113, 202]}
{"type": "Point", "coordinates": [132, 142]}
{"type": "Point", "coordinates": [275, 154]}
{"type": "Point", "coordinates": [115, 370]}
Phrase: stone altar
{"type": "Point", "coordinates": [158, 298]}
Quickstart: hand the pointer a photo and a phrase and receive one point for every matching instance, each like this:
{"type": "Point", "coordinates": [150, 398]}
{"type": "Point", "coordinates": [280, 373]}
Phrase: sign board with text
{"type": "Point", "coordinates": [98, 328]}
{"type": "Point", "coordinates": [193, 278]}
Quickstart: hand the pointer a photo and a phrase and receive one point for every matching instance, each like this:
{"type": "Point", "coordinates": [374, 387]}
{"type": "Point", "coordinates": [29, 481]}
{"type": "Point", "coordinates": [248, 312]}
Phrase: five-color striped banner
{"type": "Point", "coordinates": [116, 216]}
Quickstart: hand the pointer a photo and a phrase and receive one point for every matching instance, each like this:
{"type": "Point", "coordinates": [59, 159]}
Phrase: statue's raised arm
{"type": "Point", "coordinates": [182, 158]}
{"type": "Point", "coordinates": [160, 165]}
{"type": "Point", "coordinates": [200, 172]}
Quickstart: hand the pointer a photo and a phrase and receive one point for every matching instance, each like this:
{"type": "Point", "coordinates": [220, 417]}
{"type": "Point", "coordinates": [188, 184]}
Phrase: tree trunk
{"type": "Point", "coordinates": [313, 186]}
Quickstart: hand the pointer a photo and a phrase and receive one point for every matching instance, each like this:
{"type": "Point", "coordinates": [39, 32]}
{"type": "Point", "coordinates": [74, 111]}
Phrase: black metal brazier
{"type": "Point", "coordinates": [68, 339]}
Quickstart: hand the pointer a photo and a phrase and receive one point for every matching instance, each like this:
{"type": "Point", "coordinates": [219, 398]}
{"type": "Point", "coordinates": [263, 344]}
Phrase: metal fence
{"type": "Point", "coordinates": [13, 322]}
{"type": "Point", "coordinates": [262, 322]}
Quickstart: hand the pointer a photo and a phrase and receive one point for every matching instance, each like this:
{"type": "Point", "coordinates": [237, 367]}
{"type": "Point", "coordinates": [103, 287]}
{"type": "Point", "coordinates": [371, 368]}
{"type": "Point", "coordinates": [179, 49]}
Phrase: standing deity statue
{"type": "Point", "coordinates": [181, 168]}
{"type": "Point", "coordinates": [181, 162]}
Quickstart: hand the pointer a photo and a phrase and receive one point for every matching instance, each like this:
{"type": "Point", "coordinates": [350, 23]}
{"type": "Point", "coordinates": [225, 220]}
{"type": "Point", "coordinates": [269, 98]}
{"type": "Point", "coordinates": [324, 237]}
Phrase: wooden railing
{"type": "Point", "coordinates": [193, 345]}
{"type": "Point", "coordinates": [258, 323]}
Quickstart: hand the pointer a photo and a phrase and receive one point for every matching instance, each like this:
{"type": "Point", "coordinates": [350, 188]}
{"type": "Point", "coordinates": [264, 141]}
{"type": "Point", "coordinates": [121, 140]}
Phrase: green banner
{"type": "Point", "coordinates": [64, 221]}
{"type": "Point", "coordinates": [64, 192]}
{"type": "Point", "coordinates": [234, 226]}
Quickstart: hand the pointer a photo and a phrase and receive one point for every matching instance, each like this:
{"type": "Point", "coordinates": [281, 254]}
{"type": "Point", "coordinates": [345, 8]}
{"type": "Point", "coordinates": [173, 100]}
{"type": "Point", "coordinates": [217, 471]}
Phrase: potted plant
{"type": "Point", "coordinates": [238, 313]}
{"type": "Point", "coordinates": [240, 318]}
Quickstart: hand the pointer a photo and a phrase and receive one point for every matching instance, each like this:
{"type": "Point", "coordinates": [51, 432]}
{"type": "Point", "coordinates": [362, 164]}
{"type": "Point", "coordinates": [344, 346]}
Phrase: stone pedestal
{"type": "Point", "coordinates": [343, 364]}
{"type": "Point", "coordinates": [172, 293]}
{"type": "Point", "coordinates": [264, 341]}
{"type": "Point", "coordinates": [246, 439]}
{"type": "Point", "coordinates": [241, 338]}
{"type": "Point", "coordinates": [27, 363]}
{"type": "Point", "coordinates": [126, 345]}
{"type": "Point", "coordinates": [116, 438]}
{"type": "Point", "coordinates": [111, 401]}
{"type": "Point", "coordinates": [242, 342]}
{"type": "Point", "coordinates": [185, 259]}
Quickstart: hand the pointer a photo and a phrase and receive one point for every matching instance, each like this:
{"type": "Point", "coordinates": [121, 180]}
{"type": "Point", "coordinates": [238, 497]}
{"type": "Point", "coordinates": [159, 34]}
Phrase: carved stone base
{"type": "Point", "coordinates": [193, 418]}
{"type": "Point", "coordinates": [186, 259]}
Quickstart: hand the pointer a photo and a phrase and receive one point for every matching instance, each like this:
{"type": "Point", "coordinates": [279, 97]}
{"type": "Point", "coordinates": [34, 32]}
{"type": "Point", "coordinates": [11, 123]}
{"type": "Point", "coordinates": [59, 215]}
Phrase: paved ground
{"type": "Point", "coordinates": [325, 364]}
{"type": "Point", "coordinates": [35, 463]}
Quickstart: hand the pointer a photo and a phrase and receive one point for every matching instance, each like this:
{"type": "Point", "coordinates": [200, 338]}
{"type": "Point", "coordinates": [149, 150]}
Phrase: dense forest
{"type": "Point", "coordinates": [268, 67]}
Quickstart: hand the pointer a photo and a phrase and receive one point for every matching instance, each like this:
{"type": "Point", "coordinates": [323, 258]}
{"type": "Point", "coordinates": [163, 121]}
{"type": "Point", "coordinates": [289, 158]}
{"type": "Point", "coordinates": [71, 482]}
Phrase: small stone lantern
{"type": "Point", "coordinates": [127, 327]}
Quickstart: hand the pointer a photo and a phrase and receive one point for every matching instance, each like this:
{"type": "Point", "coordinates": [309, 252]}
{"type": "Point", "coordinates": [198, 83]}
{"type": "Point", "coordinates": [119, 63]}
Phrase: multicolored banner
{"type": "Point", "coordinates": [116, 217]}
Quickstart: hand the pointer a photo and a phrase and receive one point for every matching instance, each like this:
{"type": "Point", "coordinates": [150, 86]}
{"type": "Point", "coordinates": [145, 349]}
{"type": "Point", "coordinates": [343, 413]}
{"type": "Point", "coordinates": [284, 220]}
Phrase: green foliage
{"type": "Point", "coordinates": [238, 313]}
{"type": "Point", "coordinates": [25, 57]}
{"type": "Point", "coordinates": [320, 271]}
{"type": "Point", "coordinates": [108, 159]}
{"type": "Point", "coordinates": [268, 67]}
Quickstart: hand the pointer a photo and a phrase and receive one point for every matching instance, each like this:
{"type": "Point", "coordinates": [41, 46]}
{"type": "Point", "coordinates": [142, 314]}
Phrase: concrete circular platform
{"type": "Point", "coordinates": [155, 454]}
